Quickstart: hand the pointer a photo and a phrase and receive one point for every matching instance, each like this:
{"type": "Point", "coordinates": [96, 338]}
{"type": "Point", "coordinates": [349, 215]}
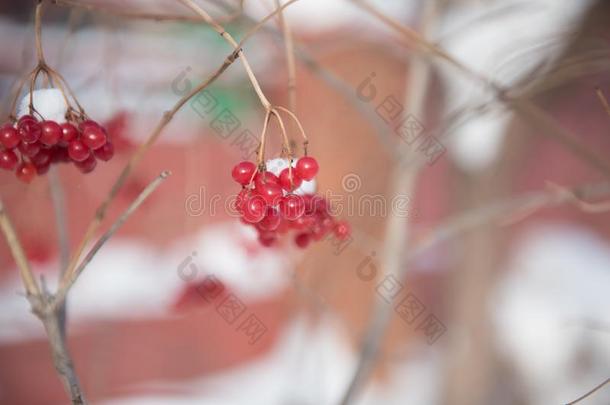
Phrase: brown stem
{"type": "Point", "coordinates": [289, 49]}
{"type": "Point", "coordinates": [38, 30]}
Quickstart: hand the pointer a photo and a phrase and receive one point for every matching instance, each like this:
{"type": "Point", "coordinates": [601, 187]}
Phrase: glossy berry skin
{"type": "Point", "coordinates": [29, 129]}
{"type": "Point", "coordinates": [78, 151]}
{"type": "Point", "coordinates": [105, 153]}
{"type": "Point", "coordinates": [292, 207]}
{"type": "Point", "coordinates": [342, 230]}
{"type": "Point", "coordinates": [262, 179]}
{"type": "Point", "coordinates": [87, 165]}
{"type": "Point", "coordinates": [289, 179]}
{"type": "Point", "coordinates": [50, 133]}
{"type": "Point", "coordinates": [26, 172]}
{"type": "Point", "coordinates": [29, 149]}
{"type": "Point", "coordinates": [240, 200]}
{"type": "Point", "coordinates": [243, 172]}
{"type": "Point", "coordinates": [9, 137]}
{"type": "Point", "coordinates": [271, 193]}
{"type": "Point", "coordinates": [254, 209]}
{"type": "Point", "coordinates": [93, 136]}
{"type": "Point", "coordinates": [8, 159]}
{"type": "Point", "coordinates": [88, 124]}
{"type": "Point", "coordinates": [271, 221]}
{"type": "Point", "coordinates": [68, 133]}
{"type": "Point", "coordinates": [302, 240]}
{"type": "Point", "coordinates": [307, 168]}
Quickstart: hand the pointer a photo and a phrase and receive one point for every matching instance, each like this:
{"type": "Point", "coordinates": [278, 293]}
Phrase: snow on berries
{"type": "Point", "coordinates": [50, 131]}
{"type": "Point", "coordinates": [273, 202]}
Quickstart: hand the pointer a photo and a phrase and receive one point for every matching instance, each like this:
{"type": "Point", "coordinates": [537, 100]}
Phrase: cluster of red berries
{"type": "Point", "coordinates": [270, 204]}
{"type": "Point", "coordinates": [29, 146]}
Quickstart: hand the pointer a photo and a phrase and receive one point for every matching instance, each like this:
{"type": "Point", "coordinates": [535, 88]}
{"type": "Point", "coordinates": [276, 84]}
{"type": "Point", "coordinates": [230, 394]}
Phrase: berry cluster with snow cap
{"type": "Point", "coordinates": [28, 146]}
{"type": "Point", "coordinates": [280, 197]}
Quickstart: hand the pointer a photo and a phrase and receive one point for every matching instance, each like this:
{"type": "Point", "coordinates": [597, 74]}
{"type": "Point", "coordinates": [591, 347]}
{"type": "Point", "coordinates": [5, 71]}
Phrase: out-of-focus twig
{"type": "Point", "coordinates": [597, 388]}
{"type": "Point", "coordinates": [524, 107]}
{"type": "Point", "coordinates": [603, 100]}
{"type": "Point", "coordinates": [397, 237]}
{"type": "Point", "coordinates": [289, 48]}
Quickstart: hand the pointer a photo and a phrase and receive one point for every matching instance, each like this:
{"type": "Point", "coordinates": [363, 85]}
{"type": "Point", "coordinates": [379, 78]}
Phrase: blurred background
{"type": "Point", "coordinates": [469, 277]}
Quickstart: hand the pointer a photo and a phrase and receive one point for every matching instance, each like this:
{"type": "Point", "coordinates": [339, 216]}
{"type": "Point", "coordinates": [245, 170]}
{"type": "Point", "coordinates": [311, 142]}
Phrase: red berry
{"type": "Point", "coordinates": [292, 207]}
{"type": "Point", "coordinates": [9, 136]}
{"type": "Point", "coordinates": [342, 230]}
{"type": "Point", "coordinates": [254, 208]}
{"type": "Point", "coordinates": [302, 240]}
{"type": "Point", "coordinates": [265, 178]}
{"type": "Point", "coordinates": [105, 153]}
{"type": "Point", "coordinates": [243, 172]}
{"type": "Point", "coordinates": [289, 179]}
{"type": "Point", "coordinates": [307, 168]}
{"type": "Point", "coordinates": [51, 133]}
{"type": "Point", "coordinates": [78, 151]}
{"type": "Point", "coordinates": [8, 159]}
{"type": "Point", "coordinates": [271, 192]}
{"type": "Point", "coordinates": [267, 238]}
{"type": "Point", "coordinates": [42, 157]}
{"type": "Point", "coordinates": [240, 200]}
{"type": "Point", "coordinates": [29, 129]}
{"type": "Point", "coordinates": [26, 172]}
{"type": "Point", "coordinates": [87, 165]}
{"type": "Point", "coordinates": [93, 136]}
{"type": "Point", "coordinates": [88, 124]}
{"type": "Point", "coordinates": [68, 133]}
{"type": "Point", "coordinates": [271, 221]}
{"type": "Point", "coordinates": [29, 149]}
{"type": "Point", "coordinates": [25, 118]}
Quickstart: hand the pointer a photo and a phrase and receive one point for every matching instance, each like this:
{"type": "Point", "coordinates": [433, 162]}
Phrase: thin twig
{"type": "Point", "coordinates": [31, 286]}
{"type": "Point", "coordinates": [64, 288]}
{"type": "Point", "coordinates": [397, 238]}
{"type": "Point", "coordinates": [597, 388]}
{"type": "Point", "coordinates": [603, 100]}
{"type": "Point", "coordinates": [290, 65]}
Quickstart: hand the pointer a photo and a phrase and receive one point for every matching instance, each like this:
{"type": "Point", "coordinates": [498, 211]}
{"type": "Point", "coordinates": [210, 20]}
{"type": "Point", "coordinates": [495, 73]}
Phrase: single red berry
{"type": "Point", "coordinates": [29, 130]}
{"type": "Point", "coordinates": [51, 133]}
{"type": "Point", "coordinates": [289, 179]}
{"type": "Point", "coordinates": [307, 168]}
{"type": "Point", "coordinates": [243, 172]}
{"type": "Point", "coordinates": [254, 208]}
{"type": "Point", "coordinates": [88, 124]}
{"type": "Point", "coordinates": [302, 240]}
{"type": "Point", "coordinates": [240, 199]}
{"type": "Point", "coordinates": [25, 118]}
{"type": "Point", "coordinates": [105, 153]}
{"type": "Point", "coordinates": [8, 159]}
{"type": "Point", "coordinates": [271, 192]}
{"type": "Point", "coordinates": [26, 172]}
{"type": "Point", "coordinates": [68, 133]}
{"type": "Point", "coordinates": [267, 239]}
{"type": "Point", "coordinates": [271, 220]}
{"type": "Point", "coordinates": [29, 149]}
{"type": "Point", "coordinates": [9, 136]}
{"type": "Point", "coordinates": [78, 151]}
{"type": "Point", "coordinates": [261, 179]}
{"type": "Point", "coordinates": [292, 207]}
{"type": "Point", "coordinates": [93, 136]}
{"type": "Point", "coordinates": [87, 165]}
{"type": "Point", "coordinates": [42, 157]}
{"type": "Point", "coordinates": [342, 230]}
